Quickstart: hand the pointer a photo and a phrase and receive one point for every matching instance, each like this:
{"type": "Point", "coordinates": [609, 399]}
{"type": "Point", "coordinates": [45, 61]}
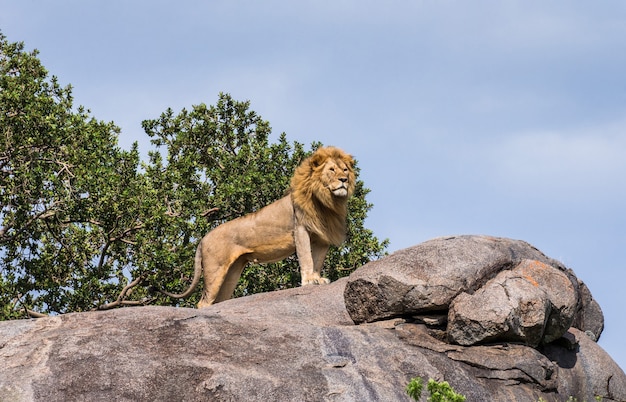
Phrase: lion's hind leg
{"type": "Point", "coordinates": [220, 279]}
{"type": "Point", "coordinates": [231, 279]}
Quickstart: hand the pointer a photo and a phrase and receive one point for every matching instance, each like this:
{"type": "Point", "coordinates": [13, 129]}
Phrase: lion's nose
{"type": "Point", "coordinates": [343, 179]}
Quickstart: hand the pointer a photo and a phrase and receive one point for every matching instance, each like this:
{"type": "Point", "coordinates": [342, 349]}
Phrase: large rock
{"type": "Point", "coordinates": [532, 303]}
{"type": "Point", "coordinates": [589, 315]}
{"type": "Point", "coordinates": [427, 277]}
{"type": "Point", "coordinates": [491, 289]}
{"type": "Point", "coordinates": [296, 345]}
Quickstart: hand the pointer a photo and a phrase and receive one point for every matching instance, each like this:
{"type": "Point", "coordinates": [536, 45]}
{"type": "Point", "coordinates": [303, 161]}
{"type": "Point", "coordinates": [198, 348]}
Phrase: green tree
{"type": "Point", "coordinates": [66, 195]}
{"type": "Point", "coordinates": [85, 225]}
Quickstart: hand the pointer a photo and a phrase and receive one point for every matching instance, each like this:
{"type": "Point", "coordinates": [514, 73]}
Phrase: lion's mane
{"type": "Point", "coordinates": [321, 212]}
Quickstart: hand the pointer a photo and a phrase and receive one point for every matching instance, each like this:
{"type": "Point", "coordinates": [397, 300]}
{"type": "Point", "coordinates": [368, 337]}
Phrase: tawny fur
{"type": "Point", "coordinates": [317, 208]}
{"type": "Point", "coordinates": [306, 221]}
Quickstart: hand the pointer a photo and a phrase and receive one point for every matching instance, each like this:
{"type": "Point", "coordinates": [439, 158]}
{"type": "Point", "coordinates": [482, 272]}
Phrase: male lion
{"type": "Point", "coordinates": [306, 221]}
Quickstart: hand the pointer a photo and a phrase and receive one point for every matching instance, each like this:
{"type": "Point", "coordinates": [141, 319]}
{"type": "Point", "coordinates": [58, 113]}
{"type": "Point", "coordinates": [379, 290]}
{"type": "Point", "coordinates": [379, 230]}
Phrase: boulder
{"type": "Point", "coordinates": [428, 276]}
{"type": "Point", "coordinates": [532, 303]}
{"type": "Point", "coordinates": [589, 315]}
{"type": "Point", "coordinates": [303, 345]}
{"type": "Point", "coordinates": [492, 289]}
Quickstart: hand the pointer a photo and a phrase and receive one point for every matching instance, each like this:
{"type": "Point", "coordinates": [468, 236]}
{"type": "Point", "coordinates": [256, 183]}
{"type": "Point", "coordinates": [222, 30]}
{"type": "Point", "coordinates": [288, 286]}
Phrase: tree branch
{"type": "Point", "coordinates": [46, 213]}
{"type": "Point", "coordinates": [34, 314]}
{"type": "Point", "coordinates": [127, 232]}
{"type": "Point", "coordinates": [103, 255]}
{"type": "Point", "coordinates": [111, 240]}
{"type": "Point", "coordinates": [209, 212]}
{"type": "Point", "coordinates": [29, 312]}
{"type": "Point", "coordinates": [120, 299]}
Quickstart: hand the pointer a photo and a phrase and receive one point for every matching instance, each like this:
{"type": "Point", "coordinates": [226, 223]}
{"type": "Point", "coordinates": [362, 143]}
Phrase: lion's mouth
{"type": "Point", "coordinates": [340, 191]}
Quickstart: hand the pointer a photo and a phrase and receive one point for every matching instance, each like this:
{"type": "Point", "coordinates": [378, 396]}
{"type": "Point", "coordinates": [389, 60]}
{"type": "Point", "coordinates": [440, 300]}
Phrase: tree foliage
{"type": "Point", "coordinates": [86, 225]}
{"type": "Point", "coordinates": [65, 194]}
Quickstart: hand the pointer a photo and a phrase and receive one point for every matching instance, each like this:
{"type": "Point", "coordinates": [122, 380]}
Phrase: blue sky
{"type": "Point", "coordinates": [505, 118]}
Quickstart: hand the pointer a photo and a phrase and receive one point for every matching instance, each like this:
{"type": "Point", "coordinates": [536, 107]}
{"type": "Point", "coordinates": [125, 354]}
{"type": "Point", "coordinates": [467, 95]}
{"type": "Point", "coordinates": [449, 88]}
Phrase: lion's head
{"type": "Point", "coordinates": [320, 190]}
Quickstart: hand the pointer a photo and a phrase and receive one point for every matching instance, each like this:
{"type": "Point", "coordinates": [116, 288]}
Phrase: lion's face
{"type": "Point", "coordinates": [336, 177]}
{"type": "Point", "coordinates": [327, 175]}
{"type": "Point", "coordinates": [320, 187]}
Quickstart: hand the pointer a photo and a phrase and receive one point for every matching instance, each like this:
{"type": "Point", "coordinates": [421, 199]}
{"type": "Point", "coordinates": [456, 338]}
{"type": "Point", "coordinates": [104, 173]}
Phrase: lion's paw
{"type": "Point", "coordinates": [316, 281]}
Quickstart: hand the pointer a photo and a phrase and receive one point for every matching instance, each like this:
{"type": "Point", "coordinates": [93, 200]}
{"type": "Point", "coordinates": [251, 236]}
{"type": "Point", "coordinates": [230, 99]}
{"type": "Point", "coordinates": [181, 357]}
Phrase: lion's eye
{"type": "Point", "coordinates": [332, 169]}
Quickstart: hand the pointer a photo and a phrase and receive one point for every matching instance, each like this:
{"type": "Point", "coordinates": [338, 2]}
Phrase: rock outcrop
{"type": "Point", "coordinates": [533, 303]}
{"type": "Point", "coordinates": [491, 289]}
{"type": "Point", "coordinates": [494, 317]}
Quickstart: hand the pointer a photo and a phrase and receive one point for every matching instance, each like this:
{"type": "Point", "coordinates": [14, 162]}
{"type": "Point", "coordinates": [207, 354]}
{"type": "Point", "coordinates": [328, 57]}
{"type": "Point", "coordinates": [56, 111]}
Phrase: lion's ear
{"type": "Point", "coordinates": [349, 160]}
{"type": "Point", "coordinates": [317, 159]}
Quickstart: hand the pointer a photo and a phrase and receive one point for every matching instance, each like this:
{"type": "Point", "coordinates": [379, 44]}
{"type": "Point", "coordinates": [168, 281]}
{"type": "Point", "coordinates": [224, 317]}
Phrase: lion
{"type": "Point", "coordinates": [307, 221]}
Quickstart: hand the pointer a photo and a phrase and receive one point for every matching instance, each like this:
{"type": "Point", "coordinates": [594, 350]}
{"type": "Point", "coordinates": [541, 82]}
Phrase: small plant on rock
{"type": "Point", "coordinates": [439, 391]}
{"type": "Point", "coordinates": [414, 388]}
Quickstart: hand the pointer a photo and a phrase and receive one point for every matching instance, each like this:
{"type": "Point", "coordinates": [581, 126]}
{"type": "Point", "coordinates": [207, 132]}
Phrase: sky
{"type": "Point", "coordinates": [505, 118]}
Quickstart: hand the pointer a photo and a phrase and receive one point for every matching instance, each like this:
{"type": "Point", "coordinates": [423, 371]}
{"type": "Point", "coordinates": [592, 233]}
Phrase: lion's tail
{"type": "Point", "coordinates": [197, 273]}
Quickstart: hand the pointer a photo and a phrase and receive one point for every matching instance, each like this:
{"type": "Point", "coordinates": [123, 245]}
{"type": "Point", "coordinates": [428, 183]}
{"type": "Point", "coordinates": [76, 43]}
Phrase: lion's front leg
{"type": "Point", "coordinates": [319, 252]}
{"type": "Point", "coordinates": [310, 256]}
